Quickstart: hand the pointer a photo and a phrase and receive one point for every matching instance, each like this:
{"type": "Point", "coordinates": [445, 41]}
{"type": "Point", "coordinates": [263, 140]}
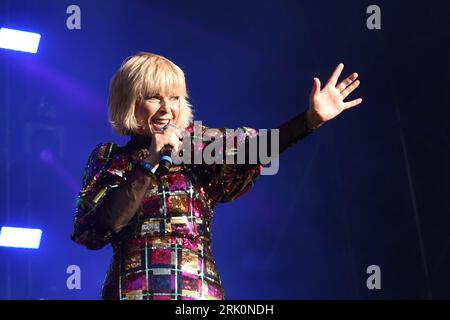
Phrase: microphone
{"type": "Point", "coordinates": [165, 161]}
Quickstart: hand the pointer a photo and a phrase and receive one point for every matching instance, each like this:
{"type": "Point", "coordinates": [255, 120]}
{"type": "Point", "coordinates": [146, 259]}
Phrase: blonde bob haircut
{"type": "Point", "coordinates": [142, 75]}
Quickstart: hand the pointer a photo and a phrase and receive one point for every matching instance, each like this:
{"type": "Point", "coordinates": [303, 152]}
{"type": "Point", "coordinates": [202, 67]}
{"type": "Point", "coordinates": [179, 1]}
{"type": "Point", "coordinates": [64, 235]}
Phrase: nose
{"type": "Point", "coordinates": [165, 104]}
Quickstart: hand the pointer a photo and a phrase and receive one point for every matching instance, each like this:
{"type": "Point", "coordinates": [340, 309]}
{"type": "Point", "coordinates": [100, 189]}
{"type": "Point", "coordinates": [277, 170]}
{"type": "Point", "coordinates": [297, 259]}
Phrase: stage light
{"type": "Point", "coordinates": [19, 40]}
{"type": "Point", "coordinates": [20, 237]}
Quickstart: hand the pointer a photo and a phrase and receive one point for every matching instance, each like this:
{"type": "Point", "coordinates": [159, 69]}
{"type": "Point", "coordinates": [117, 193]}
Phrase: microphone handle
{"type": "Point", "coordinates": [165, 161]}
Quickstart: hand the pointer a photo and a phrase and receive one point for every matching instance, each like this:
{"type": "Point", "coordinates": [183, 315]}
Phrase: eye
{"type": "Point", "coordinates": [174, 98]}
{"type": "Point", "coordinates": [152, 98]}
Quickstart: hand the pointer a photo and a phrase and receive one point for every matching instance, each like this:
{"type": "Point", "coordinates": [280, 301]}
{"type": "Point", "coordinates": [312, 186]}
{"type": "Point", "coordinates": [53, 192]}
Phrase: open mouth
{"type": "Point", "coordinates": [158, 124]}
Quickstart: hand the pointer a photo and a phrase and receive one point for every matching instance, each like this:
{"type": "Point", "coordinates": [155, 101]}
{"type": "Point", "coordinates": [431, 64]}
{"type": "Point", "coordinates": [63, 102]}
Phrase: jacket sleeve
{"type": "Point", "coordinates": [104, 172]}
{"type": "Point", "coordinates": [227, 181]}
{"type": "Point", "coordinates": [293, 130]}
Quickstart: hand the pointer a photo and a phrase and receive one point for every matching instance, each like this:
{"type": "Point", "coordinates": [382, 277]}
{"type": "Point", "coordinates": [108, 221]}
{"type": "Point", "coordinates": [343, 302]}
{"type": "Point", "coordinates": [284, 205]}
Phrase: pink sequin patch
{"type": "Point", "coordinates": [176, 182]}
{"type": "Point", "coordinates": [137, 282]}
{"type": "Point", "coordinates": [150, 206]}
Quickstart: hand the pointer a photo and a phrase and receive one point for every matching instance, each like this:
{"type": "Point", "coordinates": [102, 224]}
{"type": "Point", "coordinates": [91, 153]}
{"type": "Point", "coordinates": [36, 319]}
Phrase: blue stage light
{"type": "Point", "coordinates": [20, 237]}
{"type": "Point", "coordinates": [19, 40]}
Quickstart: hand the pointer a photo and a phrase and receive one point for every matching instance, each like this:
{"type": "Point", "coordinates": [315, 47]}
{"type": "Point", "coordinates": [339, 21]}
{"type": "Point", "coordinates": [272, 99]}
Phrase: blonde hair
{"type": "Point", "coordinates": [145, 74]}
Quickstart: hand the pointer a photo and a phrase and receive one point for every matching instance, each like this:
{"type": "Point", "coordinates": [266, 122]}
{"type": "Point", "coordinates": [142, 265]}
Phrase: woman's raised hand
{"type": "Point", "coordinates": [328, 102]}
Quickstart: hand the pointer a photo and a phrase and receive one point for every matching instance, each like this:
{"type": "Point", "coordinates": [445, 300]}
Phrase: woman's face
{"type": "Point", "coordinates": [154, 112]}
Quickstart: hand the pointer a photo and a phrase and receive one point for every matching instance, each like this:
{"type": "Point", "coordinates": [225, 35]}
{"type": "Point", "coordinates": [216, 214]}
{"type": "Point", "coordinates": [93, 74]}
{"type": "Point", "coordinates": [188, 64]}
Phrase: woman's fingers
{"type": "Point", "coordinates": [341, 86]}
{"type": "Point", "coordinates": [352, 103]}
{"type": "Point", "coordinates": [350, 89]}
{"type": "Point", "coordinates": [178, 134]}
{"type": "Point", "coordinates": [172, 136]}
{"type": "Point", "coordinates": [316, 87]}
{"type": "Point", "coordinates": [172, 129]}
{"type": "Point", "coordinates": [175, 138]}
{"type": "Point", "coordinates": [335, 76]}
{"type": "Point", "coordinates": [176, 143]}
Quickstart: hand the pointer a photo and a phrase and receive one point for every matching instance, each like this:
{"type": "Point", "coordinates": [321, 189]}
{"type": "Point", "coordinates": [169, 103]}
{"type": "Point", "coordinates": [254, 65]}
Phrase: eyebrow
{"type": "Point", "coordinates": [160, 96]}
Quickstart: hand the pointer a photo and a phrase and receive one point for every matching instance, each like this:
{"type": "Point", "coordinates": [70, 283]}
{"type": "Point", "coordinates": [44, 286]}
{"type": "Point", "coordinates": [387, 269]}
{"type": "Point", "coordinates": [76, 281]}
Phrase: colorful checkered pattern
{"type": "Point", "coordinates": [167, 267]}
{"type": "Point", "coordinates": [165, 252]}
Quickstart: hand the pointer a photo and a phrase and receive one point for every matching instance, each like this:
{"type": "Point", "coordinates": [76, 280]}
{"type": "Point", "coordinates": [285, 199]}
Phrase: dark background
{"type": "Point", "coordinates": [370, 187]}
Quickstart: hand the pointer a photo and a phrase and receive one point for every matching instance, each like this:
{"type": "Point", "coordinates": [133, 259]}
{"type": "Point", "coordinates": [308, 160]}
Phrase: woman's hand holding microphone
{"type": "Point", "coordinates": [169, 135]}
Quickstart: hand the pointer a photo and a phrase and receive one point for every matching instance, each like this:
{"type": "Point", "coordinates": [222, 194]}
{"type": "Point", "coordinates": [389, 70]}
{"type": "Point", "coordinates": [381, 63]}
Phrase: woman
{"type": "Point", "coordinates": [159, 224]}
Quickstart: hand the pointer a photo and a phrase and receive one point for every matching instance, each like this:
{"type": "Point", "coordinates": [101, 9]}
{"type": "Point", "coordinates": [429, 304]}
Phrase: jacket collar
{"type": "Point", "coordinates": [137, 142]}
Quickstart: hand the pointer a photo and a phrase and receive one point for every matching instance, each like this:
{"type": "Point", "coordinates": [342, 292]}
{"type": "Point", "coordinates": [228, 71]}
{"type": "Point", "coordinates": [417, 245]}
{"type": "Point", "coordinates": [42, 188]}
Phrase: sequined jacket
{"type": "Point", "coordinates": [162, 246]}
